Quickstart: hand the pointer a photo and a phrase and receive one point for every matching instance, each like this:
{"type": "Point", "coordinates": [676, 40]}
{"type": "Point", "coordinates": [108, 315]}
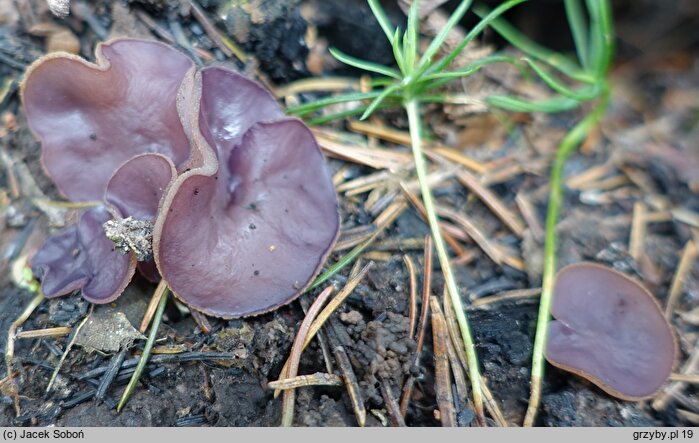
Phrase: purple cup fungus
{"type": "Point", "coordinates": [84, 256]}
{"type": "Point", "coordinates": [235, 196]}
{"type": "Point", "coordinates": [610, 330]}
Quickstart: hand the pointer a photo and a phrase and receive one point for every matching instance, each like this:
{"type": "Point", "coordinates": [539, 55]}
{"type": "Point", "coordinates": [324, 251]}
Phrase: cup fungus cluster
{"type": "Point", "coordinates": [610, 330]}
{"type": "Point", "coordinates": [202, 180]}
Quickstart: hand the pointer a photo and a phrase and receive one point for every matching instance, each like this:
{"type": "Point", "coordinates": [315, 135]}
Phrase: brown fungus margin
{"type": "Point", "coordinates": [609, 329]}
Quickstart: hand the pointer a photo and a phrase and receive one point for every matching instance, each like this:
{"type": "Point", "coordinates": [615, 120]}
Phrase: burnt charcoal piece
{"type": "Point", "coordinates": [274, 31]}
{"type": "Point", "coordinates": [350, 26]}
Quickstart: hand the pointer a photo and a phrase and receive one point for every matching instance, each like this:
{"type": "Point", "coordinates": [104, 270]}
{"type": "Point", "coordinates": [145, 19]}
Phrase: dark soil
{"type": "Point", "coordinates": [372, 325]}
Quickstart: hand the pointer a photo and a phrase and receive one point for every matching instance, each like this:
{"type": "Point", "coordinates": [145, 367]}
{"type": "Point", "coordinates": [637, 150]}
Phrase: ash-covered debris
{"type": "Point", "coordinates": [60, 8]}
{"type": "Point", "coordinates": [130, 234]}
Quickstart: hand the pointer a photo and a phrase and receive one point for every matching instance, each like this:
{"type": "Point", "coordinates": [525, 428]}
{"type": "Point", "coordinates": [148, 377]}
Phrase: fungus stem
{"type": "Point", "coordinates": [571, 141]}
{"type": "Point", "coordinates": [414, 122]}
{"type": "Point", "coordinates": [146, 352]}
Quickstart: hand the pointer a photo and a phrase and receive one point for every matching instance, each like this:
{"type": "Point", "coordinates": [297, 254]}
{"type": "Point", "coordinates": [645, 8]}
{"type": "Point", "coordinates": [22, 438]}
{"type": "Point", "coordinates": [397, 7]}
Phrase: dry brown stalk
{"type": "Point", "coordinates": [638, 230]}
{"type": "Point", "coordinates": [295, 356]}
{"type": "Point", "coordinates": [689, 254]}
{"type": "Point", "coordinates": [407, 391]}
{"type": "Point", "coordinates": [413, 295]}
{"type": "Point", "coordinates": [442, 375]}
{"type": "Point", "coordinates": [515, 294]}
{"type": "Point", "coordinates": [300, 381]}
{"type": "Point", "coordinates": [150, 311]}
{"type": "Point", "coordinates": [493, 202]}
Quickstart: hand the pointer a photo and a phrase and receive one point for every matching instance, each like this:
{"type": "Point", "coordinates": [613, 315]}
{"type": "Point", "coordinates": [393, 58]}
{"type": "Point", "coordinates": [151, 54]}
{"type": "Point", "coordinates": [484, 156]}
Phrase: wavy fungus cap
{"type": "Point", "coordinates": [246, 231]}
{"type": "Point", "coordinates": [244, 209]}
{"type": "Point", "coordinates": [91, 118]}
{"type": "Point", "coordinates": [610, 330]}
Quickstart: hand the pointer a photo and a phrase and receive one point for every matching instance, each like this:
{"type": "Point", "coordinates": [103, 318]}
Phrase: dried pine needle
{"type": "Point", "coordinates": [295, 355]}
{"type": "Point", "coordinates": [689, 254]}
{"type": "Point", "coordinates": [300, 381]}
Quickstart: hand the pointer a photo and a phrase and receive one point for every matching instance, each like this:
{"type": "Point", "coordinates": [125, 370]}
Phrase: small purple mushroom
{"type": "Point", "coordinates": [610, 330]}
{"type": "Point", "coordinates": [252, 215]}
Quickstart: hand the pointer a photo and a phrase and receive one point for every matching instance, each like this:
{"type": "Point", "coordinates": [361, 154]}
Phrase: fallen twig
{"type": "Point", "coordinates": [325, 314]}
{"type": "Point", "coordinates": [638, 231]}
{"type": "Point", "coordinates": [351, 384]}
{"type": "Point", "coordinates": [665, 397]}
{"type": "Point", "coordinates": [69, 346]}
{"type": "Point", "coordinates": [492, 201]}
{"type": "Point", "coordinates": [110, 375]}
{"type": "Point", "coordinates": [515, 294]}
{"type": "Point", "coordinates": [226, 45]}
{"type": "Point", "coordinates": [490, 403]}
{"type": "Point", "coordinates": [48, 332]}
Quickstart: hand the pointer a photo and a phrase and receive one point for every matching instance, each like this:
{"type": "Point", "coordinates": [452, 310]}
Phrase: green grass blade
{"type": "Point", "coordinates": [346, 113]}
{"type": "Point", "coordinates": [365, 65]}
{"type": "Point", "coordinates": [607, 29]}
{"type": "Point", "coordinates": [316, 105]}
{"type": "Point", "coordinates": [556, 104]}
{"type": "Point", "coordinates": [595, 38]}
{"type": "Point", "coordinates": [485, 21]}
{"type": "Point", "coordinates": [601, 36]}
{"type": "Point", "coordinates": [410, 38]}
{"type": "Point", "coordinates": [437, 80]}
{"type": "Point", "coordinates": [436, 43]}
{"type": "Point", "coordinates": [473, 67]}
{"type": "Point", "coordinates": [398, 52]}
{"type": "Point", "coordinates": [157, 318]}
{"type": "Point", "coordinates": [534, 50]}
{"type": "Point", "coordinates": [382, 18]}
{"type": "Point", "coordinates": [378, 100]}
{"type": "Point", "coordinates": [583, 94]}
{"type": "Point", "coordinates": [569, 143]}
{"type": "Point", "coordinates": [344, 261]}
{"type": "Point", "coordinates": [578, 27]}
